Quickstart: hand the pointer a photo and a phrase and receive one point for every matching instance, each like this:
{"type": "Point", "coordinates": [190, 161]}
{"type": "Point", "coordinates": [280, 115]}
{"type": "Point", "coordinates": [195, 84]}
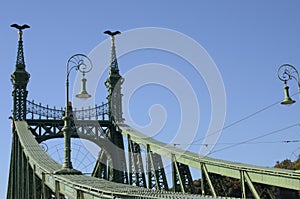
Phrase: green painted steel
{"type": "Point", "coordinates": [32, 171]}
{"type": "Point", "coordinates": [135, 162]}
{"type": "Point", "coordinates": [269, 176]}
{"type": "Point", "coordinates": [114, 83]}
{"type": "Point", "coordinates": [73, 186]}
{"type": "Point", "coordinates": [20, 78]}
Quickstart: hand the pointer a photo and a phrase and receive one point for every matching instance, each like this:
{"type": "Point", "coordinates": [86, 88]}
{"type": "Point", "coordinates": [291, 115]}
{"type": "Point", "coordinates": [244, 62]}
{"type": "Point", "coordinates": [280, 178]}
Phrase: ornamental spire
{"type": "Point", "coordinates": [20, 63]}
{"type": "Point", "coordinates": [20, 78]}
{"type": "Point", "coordinates": [113, 59]}
{"type": "Point", "coordinates": [114, 83]}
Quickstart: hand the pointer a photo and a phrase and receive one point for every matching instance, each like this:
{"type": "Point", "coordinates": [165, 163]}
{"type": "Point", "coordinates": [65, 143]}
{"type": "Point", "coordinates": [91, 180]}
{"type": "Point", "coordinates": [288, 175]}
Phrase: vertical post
{"type": "Point", "coordinates": [79, 195]}
{"type": "Point", "coordinates": [14, 169]}
{"type": "Point", "coordinates": [11, 191]}
{"type": "Point", "coordinates": [19, 170]}
{"type": "Point", "coordinates": [83, 64]}
{"type": "Point", "coordinates": [67, 128]}
{"type": "Point", "coordinates": [243, 184]}
{"type": "Point", "coordinates": [202, 179]}
{"type": "Point", "coordinates": [174, 172]}
{"type": "Point", "coordinates": [23, 174]}
{"type": "Point", "coordinates": [177, 171]}
{"type": "Point", "coordinates": [34, 183]}
{"type": "Point", "coordinates": [44, 196]}
{"type": "Point", "coordinates": [57, 189]}
{"type": "Point", "coordinates": [148, 167]}
{"type": "Point", "coordinates": [204, 169]}
{"type": "Point", "coordinates": [67, 139]}
{"type": "Point", "coordinates": [130, 160]}
{"type": "Point", "coordinates": [28, 180]}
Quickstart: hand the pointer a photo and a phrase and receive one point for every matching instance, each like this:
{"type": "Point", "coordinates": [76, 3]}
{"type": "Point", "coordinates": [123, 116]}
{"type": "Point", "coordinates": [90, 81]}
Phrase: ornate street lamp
{"type": "Point", "coordinates": [285, 73]}
{"type": "Point", "coordinates": [84, 65]}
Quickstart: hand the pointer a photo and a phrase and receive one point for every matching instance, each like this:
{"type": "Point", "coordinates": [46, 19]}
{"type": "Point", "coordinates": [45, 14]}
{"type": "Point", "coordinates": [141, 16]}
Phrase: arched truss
{"type": "Point", "coordinates": [32, 175]}
{"type": "Point", "coordinates": [150, 173]}
{"type": "Point", "coordinates": [247, 174]}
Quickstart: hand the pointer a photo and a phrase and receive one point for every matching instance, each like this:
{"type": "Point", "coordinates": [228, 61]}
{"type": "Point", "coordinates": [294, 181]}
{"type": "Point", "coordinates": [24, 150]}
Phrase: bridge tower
{"type": "Point", "coordinates": [113, 84]}
{"type": "Point", "coordinates": [20, 78]}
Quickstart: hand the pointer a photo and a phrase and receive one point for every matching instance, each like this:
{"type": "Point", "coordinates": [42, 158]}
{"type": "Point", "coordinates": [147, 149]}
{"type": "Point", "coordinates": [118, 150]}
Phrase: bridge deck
{"type": "Point", "coordinates": [80, 186]}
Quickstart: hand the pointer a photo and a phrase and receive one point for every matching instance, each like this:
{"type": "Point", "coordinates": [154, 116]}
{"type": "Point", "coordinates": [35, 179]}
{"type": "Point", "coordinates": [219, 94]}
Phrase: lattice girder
{"type": "Point", "coordinates": [136, 167]}
{"type": "Point", "coordinates": [182, 178]}
{"type": "Point", "coordinates": [156, 172]}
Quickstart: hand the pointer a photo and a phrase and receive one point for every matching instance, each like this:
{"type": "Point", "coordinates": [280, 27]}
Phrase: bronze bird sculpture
{"type": "Point", "coordinates": [24, 26]}
{"type": "Point", "coordinates": [112, 33]}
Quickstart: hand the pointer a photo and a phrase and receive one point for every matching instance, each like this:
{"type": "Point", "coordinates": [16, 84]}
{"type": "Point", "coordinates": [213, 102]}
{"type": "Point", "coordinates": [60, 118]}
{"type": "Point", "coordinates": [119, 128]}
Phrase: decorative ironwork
{"type": "Point", "coordinates": [156, 173]}
{"type": "Point", "coordinates": [136, 167]}
{"type": "Point", "coordinates": [79, 62]}
{"type": "Point", "coordinates": [99, 112]}
{"type": "Point", "coordinates": [20, 78]}
{"type": "Point", "coordinates": [113, 58]}
{"type": "Point", "coordinates": [287, 72]}
{"type": "Point", "coordinates": [114, 82]}
{"type": "Point", "coordinates": [45, 129]}
{"type": "Point", "coordinates": [182, 178]}
{"type": "Point", "coordinates": [20, 56]}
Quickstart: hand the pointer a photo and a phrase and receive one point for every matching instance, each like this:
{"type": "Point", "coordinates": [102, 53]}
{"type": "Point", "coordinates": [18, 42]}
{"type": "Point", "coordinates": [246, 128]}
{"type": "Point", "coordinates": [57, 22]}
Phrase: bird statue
{"type": "Point", "coordinates": [20, 28]}
{"type": "Point", "coordinates": [108, 32]}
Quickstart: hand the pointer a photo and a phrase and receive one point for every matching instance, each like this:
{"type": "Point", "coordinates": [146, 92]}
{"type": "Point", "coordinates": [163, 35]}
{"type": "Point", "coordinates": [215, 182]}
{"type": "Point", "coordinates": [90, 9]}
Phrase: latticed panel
{"type": "Point", "coordinates": [102, 167]}
{"type": "Point", "coordinates": [38, 111]}
{"type": "Point", "coordinates": [115, 98]}
{"type": "Point", "coordinates": [184, 176]}
{"type": "Point", "coordinates": [20, 95]}
{"type": "Point", "coordinates": [156, 172]}
{"type": "Point", "coordinates": [118, 155]}
{"type": "Point", "coordinates": [47, 129]}
{"type": "Point", "coordinates": [136, 167]}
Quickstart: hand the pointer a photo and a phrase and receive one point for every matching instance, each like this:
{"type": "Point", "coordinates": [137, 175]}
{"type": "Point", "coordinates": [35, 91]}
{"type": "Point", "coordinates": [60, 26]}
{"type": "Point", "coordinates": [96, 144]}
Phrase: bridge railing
{"type": "Point", "coordinates": [32, 175]}
{"type": "Point", "coordinates": [38, 111]}
{"type": "Point", "coordinates": [250, 174]}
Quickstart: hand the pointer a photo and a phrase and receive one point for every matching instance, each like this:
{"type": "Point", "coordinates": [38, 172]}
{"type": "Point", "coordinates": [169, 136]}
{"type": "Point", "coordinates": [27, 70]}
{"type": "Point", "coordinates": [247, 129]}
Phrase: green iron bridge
{"type": "Point", "coordinates": [120, 170]}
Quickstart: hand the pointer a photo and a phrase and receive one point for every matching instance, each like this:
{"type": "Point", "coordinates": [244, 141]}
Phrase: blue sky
{"type": "Point", "coordinates": [247, 40]}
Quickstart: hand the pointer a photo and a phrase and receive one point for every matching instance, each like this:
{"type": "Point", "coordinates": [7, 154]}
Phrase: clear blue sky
{"type": "Point", "coordinates": [248, 41]}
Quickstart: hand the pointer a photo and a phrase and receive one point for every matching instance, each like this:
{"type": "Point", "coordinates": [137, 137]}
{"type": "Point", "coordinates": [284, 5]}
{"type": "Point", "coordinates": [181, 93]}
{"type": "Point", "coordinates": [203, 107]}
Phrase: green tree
{"type": "Point", "coordinates": [288, 164]}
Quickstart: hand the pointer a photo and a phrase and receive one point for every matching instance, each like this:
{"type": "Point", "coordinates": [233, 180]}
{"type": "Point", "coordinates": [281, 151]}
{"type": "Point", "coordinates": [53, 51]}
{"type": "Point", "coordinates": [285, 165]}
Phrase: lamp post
{"type": "Point", "coordinates": [82, 64]}
{"type": "Point", "coordinates": [285, 73]}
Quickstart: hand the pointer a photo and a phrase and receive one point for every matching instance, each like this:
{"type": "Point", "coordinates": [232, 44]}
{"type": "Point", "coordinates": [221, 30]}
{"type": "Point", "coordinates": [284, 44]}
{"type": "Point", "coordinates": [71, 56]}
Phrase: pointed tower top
{"type": "Point", "coordinates": [20, 78]}
{"type": "Point", "coordinates": [114, 83]}
{"type": "Point", "coordinates": [20, 63]}
{"type": "Point", "coordinates": [113, 60]}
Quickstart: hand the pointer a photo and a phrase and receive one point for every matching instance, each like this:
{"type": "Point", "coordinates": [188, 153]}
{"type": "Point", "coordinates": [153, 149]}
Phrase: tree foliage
{"type": "Point", "coordinates": [288, 164]}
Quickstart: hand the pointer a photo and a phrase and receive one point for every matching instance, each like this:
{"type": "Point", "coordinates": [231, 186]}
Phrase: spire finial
{"type": "Point", "coordinates": [20, 28]}
{"type": "Point", "coordinates": [20, 56]}
{"type": "Point", "coordinates": [113, 61]}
